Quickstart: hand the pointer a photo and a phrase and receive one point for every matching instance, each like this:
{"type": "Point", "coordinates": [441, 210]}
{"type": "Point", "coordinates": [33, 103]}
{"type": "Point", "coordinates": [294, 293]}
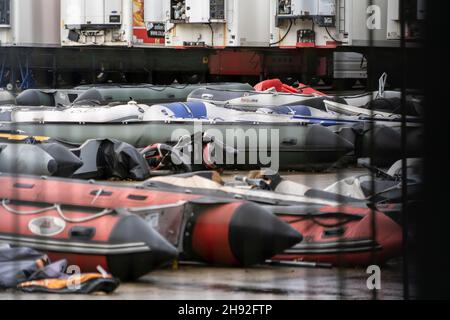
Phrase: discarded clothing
{"type": "Point", "coordinates": [32, 271]}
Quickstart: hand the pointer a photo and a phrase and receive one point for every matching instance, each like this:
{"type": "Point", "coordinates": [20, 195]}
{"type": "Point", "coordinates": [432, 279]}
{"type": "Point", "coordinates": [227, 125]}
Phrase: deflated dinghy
{"type": "Point", "coordinates": [383, 143]}
{"type": "Point", "coordinates": [363, 99]}
{"type": "Point", "coordinates": [388, 102]}
{"type": "Point", "coordinates": [349, 110]}
{"type": "Point", "coordinates": [47, 97]}
{"type": "Point", "coordinates": [147, 94]}
{"type": "Point", "coordinates": [213, 230]}
{"type": "Point", "coordinates": [94, 159]}
{"type": "Point", "coordinates": [381, 103]}
{"type": "Point", "coordinates": [386, 185]}
{"type": "Point", "coordinates": [110, 158]}
{"type": "Point", "coordinates": [196, 153]}
{"type": "Point", "coordinates": [51, 159]}
{"type": "Point", "coordinates": [319, 102]}
{"type": "Point", "coordinates": [393, 105]}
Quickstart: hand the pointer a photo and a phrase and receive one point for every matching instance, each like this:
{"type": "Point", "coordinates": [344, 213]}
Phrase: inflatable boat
{"type": "Point", "coordinates": [50, 159]}
{"type": "Point", "coordinates": [356, 129]}
{"type": "Point", "coordinates": [148, 94]}
{"type": "Point", "coordinates": [380, 186]}
{"type": "Point", "coordinates": [213, 230]}
{"type": "Point", "coordinates": [329, 119]}
{"type": "Point", "coordinates": [375, 189]}
{"type": "Point", "coordinates": [94, 159]}
{"type": "Point", "coordinates": [376, 186]}
{"type": "Point", "coordinates": [323, 110]}
{"type": "Point", "coordinates": [195, 183]}
{"type": "Point", "coordinates": [108, 158]}
{"type": "Point", "coordinates": [334, 232]}
{"type": "Point", "coordinates": [86, 236]}
{"type": "Point", "coordinates": [388, 101]}
{"type": "Point", "coordinates": [349, 110]}
{"type": "Point", "coordinates": [246, 98]}
{"type": "Point", "coordinates": [382, 143]}
{"type": "Point", "coordinates": [385, 104]}
{"type": "Point", "coordinates": [342, 236]}
{"type": "Point", "coordinates": [113, 93]}
{"type": "Point", "coordinates": [299, 145]}
{"type": "Point", "coordinates": [282, 87]}
{"type": "Point", "coordinates": [48, 97]}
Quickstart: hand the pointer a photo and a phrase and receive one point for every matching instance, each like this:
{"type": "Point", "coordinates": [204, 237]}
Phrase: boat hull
{"type": "Point", "coordinates": [121, 243]}
{"type": "Point", "coordinates": [208, 229]}
{"type": "Point", "coordinates": [232, 97]}
{"type": "Point", "coordinates": [345, 239]}
{"type": "Point", "coordinates": [38, 159]}
{"type": "Point", "coordinates": [333, 232]}
{"type": "Point", "coordinates": [298, 146]}
{"type": "Point", "coordinates": [149, 94]}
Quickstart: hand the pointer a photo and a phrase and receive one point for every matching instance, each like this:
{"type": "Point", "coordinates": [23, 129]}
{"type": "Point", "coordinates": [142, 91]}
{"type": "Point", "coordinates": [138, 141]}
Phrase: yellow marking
{"type": "Point", "coordinates": [20, 137]}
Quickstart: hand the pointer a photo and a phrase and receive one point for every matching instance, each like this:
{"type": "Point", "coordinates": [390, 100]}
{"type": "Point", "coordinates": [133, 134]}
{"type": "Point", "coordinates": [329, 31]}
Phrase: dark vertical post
{"type": "Point", "coordinates": [434, 221]}
{"type": "Point", "coordinates": [13, 68]}
{"type": "Point", "coordinates": [404, 155]}
{"type": "Point", "coordinates": [54, 67]}
{"type": "Point", "coordinates": [93, 61]}
{"type": "Point", "coordinates": [372, 154]}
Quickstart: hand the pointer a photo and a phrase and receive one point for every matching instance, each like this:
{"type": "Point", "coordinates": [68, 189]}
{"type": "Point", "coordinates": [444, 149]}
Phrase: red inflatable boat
{"type": "Point", "coordinates": [87, 237]}
{"type": "Point", "coordinates": [336, 234]}
{"type": "Point", "coordinates": [342, 236]}
{"type": "Point", "coordinates": [213, 230]}
{"type": "Point", "coordinates": [281, 87]}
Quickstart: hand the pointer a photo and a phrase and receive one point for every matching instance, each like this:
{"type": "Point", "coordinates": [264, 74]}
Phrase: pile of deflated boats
{"type": "Point", "coordinates": [65, 154]}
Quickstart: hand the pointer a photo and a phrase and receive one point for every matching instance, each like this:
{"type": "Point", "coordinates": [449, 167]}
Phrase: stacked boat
{"type": "Point", "coordinates": [336, 229]}
{"type": "Point", "coordinates": [115, 226]}
{"type": "Point", "coordinates": [257, 137]}
{"type": "Point", "coordinates": [51, 139]}
{"type": "Point", "coordinates": [370, 121]}
{"type": "Point", "coordinates": [111, 93]}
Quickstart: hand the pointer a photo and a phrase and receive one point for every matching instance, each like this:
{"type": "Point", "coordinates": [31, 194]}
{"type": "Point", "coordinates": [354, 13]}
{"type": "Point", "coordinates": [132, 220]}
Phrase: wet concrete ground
{"type": "Point", "coordinates": [262, 282]}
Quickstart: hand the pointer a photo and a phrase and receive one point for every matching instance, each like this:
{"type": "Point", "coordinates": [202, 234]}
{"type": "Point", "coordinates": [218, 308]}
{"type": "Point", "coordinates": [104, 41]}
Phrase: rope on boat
{"type": "Point", "coordinates": [99, 192]}
{"type": "Point", "coordinates": [58, 209]}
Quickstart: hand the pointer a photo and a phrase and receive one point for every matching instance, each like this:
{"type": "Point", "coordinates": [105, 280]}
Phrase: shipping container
{"type": "Point", "coordinates": [149, 18]}
{"type": "Point", "coordinates": [382, 18]}
{"type": "Point", "coordinates": [29, 23]}
{"type": "Point", "coordinates": [96, 22]}
{"type": "Point", "coordinates": [218, 23]}
{"type": "Point", "coordinates": [304, 23]}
